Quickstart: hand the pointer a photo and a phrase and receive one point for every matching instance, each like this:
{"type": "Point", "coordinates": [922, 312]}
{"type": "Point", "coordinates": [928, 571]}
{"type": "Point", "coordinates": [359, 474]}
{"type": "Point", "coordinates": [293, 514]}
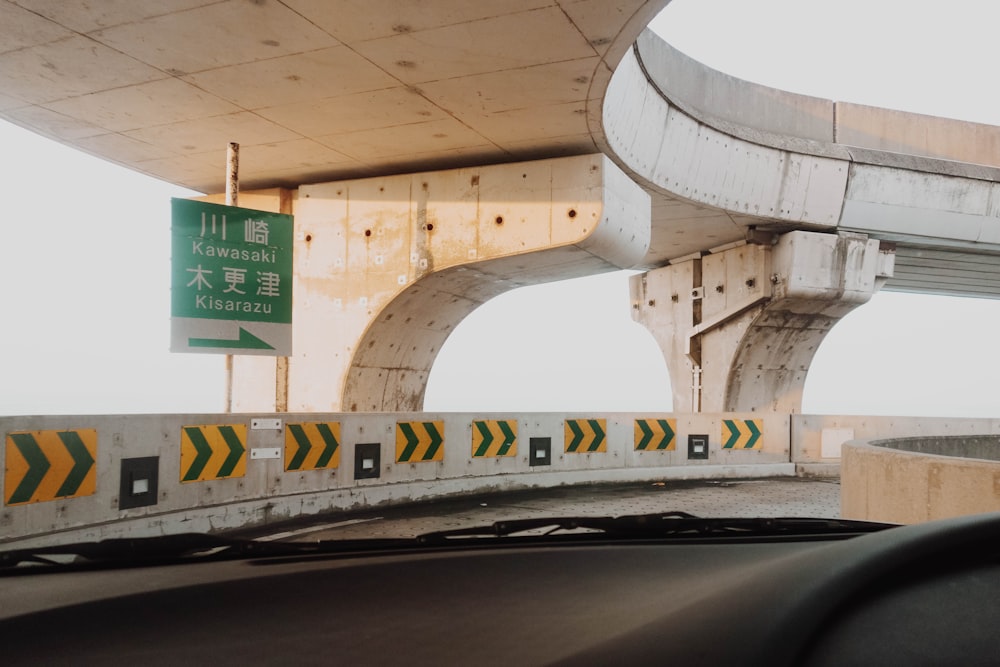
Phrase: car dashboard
{"type": "Point", "coordinates": [922, 594]}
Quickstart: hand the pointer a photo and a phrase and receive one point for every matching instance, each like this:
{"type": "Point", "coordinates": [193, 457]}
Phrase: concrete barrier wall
{"type": "Point", "coordinates": [253, 469]}
{"type": "Point", "coordinates": [908, 133]}
{"type": "Point", "coordinates": [93, 477]}
{"type": "Point", "coordinates": [819, 438]}
{"type": "Point", "coordinates": [885, 481]}
{"type": "Point", "coordinates": [817, 126]}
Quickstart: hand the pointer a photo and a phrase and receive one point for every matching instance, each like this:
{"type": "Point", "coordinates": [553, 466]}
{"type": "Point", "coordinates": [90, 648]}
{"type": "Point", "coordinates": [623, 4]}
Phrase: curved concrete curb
{"type": "Point", "coordinates": [920, 479]}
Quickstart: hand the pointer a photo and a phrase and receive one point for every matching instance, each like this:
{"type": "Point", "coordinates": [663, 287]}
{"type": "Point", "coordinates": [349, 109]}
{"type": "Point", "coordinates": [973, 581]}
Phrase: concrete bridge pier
{"type": "Point", "coordinates": [385, 269]}
{"type": "Point", "coordinates": [739, 326]}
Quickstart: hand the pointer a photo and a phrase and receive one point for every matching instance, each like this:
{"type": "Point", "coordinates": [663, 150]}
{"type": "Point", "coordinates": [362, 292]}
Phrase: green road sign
{"type": "Point", "coordinates": [231, 280]}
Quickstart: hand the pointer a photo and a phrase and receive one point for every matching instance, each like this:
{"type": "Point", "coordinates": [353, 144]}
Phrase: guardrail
{"type": "Point", "coordinates": [93, 477]}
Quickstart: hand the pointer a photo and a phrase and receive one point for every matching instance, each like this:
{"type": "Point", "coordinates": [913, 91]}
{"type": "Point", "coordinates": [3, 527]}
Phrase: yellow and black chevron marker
{"type": "Point", "coordinates": [312, 446]}
{"type": "Point", "coordinates": [742, 433]}
{"type": "Point", "coordinates": [494, 438]}
{"type": "Point", "coordinates": [419, 441]}
{"type": "Point", "coordinates": [50, 465]}
{"type": "Point", "coordinates": [656, 434]}
{"type": "Point", "coordinates": [586, 435]}
{"type": "Point", "coordinates": [213, 452]}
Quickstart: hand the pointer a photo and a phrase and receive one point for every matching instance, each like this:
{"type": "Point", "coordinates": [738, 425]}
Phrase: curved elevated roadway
{"type": "Point", "coordinates": [725, 156]}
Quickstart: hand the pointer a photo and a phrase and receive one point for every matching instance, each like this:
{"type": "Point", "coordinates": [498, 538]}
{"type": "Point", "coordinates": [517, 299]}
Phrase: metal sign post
{"type": "Point", "coordinates": [232, 199]}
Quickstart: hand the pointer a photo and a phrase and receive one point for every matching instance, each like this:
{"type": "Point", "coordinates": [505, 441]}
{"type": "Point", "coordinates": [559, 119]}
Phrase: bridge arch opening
{"type": "Point", "coordinates": [564, 346]}
{"type": "Point", "coordinates": [532, 349]}
{"type": "Point", "coordinates": [907, 354]}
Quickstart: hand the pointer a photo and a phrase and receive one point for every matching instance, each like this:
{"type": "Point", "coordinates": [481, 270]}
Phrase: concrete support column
{"type": "Point", "coordinates": [739, 327]}
{"type": "Point", "coordinates": [386, 268]}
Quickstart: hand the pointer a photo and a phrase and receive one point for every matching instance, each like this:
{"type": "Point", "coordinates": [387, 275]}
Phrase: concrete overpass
{"type": "Point", "coordinates": [437, 156]}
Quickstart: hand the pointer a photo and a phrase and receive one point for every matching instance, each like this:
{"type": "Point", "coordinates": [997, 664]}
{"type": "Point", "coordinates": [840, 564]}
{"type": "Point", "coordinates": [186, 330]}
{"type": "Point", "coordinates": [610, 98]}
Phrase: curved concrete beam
{"type": "Point", "coordinates": [676, 154]}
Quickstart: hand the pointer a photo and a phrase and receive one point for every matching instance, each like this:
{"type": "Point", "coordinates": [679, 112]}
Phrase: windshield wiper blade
{"type": "Point", "coordinates": [200, 546]}
{"type": "Point", "coordinates": [141, 549]}
{"type": "Point", "coordinates": [184, 547]}
{"type": "Point", "coordinates": [659, 525]}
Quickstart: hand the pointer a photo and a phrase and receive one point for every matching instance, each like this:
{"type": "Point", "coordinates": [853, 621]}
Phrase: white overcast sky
{"type": "Point", "coordinates": [84, 254]}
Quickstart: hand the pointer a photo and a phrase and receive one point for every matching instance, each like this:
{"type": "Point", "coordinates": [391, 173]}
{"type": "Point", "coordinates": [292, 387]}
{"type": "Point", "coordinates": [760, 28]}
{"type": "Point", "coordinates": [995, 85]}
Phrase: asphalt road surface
{"type": "Point", "coordinates": [774, 497]}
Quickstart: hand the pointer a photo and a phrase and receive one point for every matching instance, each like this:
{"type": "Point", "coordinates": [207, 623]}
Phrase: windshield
{"type": "Point", "coordinates": [402, 297]}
